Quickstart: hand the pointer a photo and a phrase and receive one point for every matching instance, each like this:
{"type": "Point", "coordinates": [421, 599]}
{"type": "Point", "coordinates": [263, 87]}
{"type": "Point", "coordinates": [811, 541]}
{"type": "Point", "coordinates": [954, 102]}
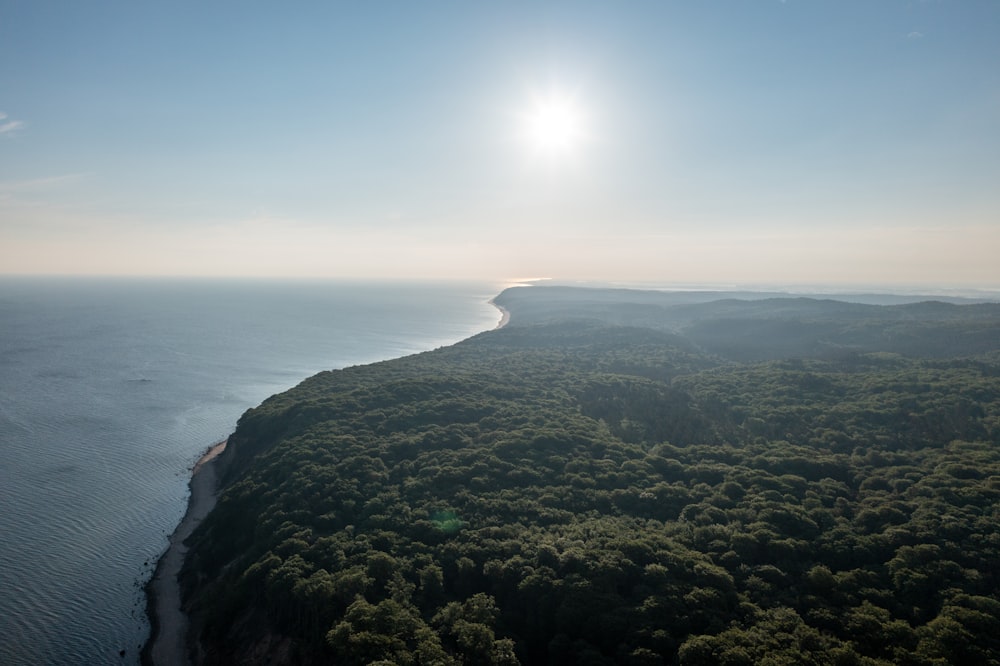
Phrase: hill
{"type": "Point", "coordinates": [615, 477]}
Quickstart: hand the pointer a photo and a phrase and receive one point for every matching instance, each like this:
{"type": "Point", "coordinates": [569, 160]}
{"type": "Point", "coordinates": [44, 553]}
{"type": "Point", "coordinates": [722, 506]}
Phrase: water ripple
{"type": "Point", "coordinates": [109, 392]}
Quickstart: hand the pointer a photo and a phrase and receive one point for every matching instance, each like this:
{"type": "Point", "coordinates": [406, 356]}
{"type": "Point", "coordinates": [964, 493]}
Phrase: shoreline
{"type": "Point", "coordinates": [167, 643]}
{"type": "Point", "coordinates": [504, 315]}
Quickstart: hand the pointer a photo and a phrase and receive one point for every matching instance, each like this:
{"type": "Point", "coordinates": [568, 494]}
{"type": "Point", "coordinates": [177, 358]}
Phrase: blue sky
{"type": "Point", "coordinates": [751, 141]}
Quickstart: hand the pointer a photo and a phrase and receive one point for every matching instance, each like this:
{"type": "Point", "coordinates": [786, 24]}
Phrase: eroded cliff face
{"type": "Point", "coordinates": [248, 640]}
{"type": "Point", "coordinates": [574, 491]}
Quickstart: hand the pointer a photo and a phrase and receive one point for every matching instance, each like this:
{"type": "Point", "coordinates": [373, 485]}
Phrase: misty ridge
{"type": "Point", "coordinates": [749, 326]}
{"type": "Point", "coordinates": [621, 476]}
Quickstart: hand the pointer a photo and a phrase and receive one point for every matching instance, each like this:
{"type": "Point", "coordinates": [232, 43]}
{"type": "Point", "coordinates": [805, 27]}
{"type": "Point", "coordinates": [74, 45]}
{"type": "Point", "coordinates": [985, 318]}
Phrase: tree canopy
{"type": "Point", "coordinates": [647, 489]}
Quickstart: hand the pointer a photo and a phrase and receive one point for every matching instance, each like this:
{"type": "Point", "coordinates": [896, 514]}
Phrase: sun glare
{"type": "Point", "coordinates": [554, 125]}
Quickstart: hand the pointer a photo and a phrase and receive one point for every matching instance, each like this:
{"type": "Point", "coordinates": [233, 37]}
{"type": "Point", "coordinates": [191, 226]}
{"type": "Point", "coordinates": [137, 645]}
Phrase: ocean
{"type": "Point", "coordinates": [110, 389]}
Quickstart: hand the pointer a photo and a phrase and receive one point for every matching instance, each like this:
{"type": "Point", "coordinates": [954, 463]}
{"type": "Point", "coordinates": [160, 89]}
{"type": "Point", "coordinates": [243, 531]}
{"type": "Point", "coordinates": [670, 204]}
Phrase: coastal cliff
{"type": "Point", "coordinates": [616, 478]}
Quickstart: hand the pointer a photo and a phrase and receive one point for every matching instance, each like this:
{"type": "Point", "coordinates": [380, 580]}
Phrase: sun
{"type": "Point", "coordinates": [554, 125]}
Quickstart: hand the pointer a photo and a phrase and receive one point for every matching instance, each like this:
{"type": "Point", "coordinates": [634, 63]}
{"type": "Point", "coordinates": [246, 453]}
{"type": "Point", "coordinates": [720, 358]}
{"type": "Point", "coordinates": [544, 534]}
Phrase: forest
{"type": "Point", "coordinates": [623, 477]}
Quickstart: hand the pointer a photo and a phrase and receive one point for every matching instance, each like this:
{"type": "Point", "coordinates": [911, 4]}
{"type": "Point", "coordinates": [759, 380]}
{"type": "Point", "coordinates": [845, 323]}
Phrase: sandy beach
{"type": "Point", "coordinates": [167, 644]}
{"type": "Point", "coordinates": [504, 315]}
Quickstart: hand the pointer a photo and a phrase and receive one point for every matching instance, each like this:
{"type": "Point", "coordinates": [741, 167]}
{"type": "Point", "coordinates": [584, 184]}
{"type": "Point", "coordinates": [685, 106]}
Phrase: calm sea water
{"type": "Point", "coordinates": [111, 389]}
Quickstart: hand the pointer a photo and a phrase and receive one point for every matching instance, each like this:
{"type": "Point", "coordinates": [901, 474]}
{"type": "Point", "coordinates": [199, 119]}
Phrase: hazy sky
{"type": "Point", "coordinates": [795, 141]}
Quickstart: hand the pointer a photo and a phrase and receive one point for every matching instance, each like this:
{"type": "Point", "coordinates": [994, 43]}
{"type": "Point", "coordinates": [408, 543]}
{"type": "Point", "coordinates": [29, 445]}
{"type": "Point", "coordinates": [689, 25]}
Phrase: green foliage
{"type": "Point", "coordinates": [584, 493]}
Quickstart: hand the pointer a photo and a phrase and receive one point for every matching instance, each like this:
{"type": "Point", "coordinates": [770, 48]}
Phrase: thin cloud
{"type": "Point", "coordinates": [10, 125]}
{"type": "Point", "coordinates": [39, 183]}
{"type": "Point", "coordinates": [915, 35]}
{"type": "Point", "coordinates": [34, 196]}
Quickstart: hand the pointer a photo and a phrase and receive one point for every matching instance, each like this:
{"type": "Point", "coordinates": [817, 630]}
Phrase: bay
{"type": "Point", "coordinates": [110, 389]}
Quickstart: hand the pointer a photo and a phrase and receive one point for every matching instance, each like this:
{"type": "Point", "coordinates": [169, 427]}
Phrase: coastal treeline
{"type": "Point", "coordinates": [575, 490]}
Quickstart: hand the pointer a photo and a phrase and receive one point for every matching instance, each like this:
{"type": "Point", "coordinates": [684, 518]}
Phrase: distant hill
{"type": "Point", "coordinates": [622, 477]}
{"type": "Point", "coordinates": [771, 328]}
